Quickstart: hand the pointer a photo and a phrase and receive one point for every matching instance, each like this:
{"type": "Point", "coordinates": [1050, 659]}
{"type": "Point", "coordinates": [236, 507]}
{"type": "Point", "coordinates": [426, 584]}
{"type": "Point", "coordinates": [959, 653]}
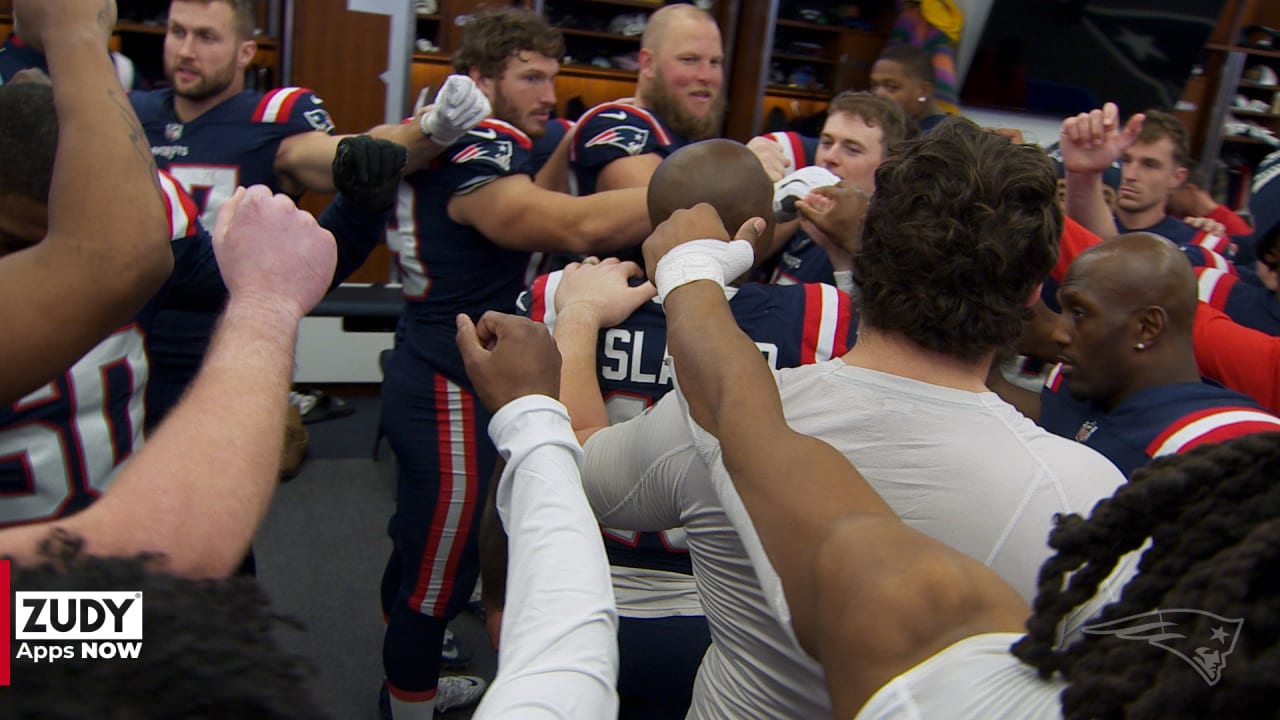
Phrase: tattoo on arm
{"type": "Point", "coordinates": [137, 136]}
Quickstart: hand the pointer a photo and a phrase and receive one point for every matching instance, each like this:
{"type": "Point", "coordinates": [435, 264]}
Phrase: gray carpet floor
{"type": "Point", "coordinates": [320, 557]}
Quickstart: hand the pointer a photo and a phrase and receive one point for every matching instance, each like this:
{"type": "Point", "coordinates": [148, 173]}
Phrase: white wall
{"type": "Point", "coordinates": [1040, 129]}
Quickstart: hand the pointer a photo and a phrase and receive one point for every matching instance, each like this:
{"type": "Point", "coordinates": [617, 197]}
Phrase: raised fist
{"type": "Point", "coordinates": [367, 171]}
{"type": "Point", "coordinates": [459, 106]}
{"type": "Point", "coordinates": [271, 252]}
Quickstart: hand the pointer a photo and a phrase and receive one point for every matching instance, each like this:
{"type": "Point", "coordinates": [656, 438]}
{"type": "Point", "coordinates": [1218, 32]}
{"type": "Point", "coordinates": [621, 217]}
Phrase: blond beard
{"type": "Point", "coordinates": [664, 104]}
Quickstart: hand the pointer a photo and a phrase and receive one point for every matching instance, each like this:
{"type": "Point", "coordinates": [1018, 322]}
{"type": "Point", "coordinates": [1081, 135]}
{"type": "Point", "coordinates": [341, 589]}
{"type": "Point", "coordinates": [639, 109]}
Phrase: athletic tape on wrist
{"type": "Point", "coordinates": [435, 134]}
{"type": "Point", "coordinates": [713, 260]}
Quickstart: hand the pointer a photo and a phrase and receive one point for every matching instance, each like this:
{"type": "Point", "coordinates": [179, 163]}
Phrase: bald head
{"type": "Point", "coordinates": [724, 174]}
{"type": "Point", "coordinates": [662, 21]}
{"type": "Point", "coordinates": [1140, 270]}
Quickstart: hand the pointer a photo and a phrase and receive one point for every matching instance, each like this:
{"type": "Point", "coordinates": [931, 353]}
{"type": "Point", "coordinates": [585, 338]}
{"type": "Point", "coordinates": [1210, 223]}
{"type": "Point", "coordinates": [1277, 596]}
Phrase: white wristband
{"type": "Point", "coordinates": [715, 260]}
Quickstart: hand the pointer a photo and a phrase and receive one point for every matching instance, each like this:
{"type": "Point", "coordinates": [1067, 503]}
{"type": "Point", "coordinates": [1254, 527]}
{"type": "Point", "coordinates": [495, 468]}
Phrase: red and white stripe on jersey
{"type": "Point", "coordinates": [792, 148]}
{"type": "Point", "coordinates": [179, 207]}
{"type": "Point", "coordinates": [456, 499]}
{"type": "Point", "coordinates": [1217, 261]}
{"type": "Point", "coordinates": [1211, 426]}
{"type": "Point", "coordinates": [277, 105]}
{"type": "Point", "coordinates": [543, 294]}
{"type": "Point", "coordinates": [1215, 286]}
{"type": "Point", "coordinates": [1209, 241]}
{"type": "Point", "coordinates": [1053, 380]}
{"type": "Point", "coordinates": [659, 131]}
{"type": "Point", "coordinates": [516, 133]}
{"type": "Point", "coordinates": [826, 323]}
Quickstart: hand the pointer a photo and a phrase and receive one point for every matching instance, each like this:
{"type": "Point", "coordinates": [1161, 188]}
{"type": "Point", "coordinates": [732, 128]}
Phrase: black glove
{"type": "Point", "coordinates": [367, 171]}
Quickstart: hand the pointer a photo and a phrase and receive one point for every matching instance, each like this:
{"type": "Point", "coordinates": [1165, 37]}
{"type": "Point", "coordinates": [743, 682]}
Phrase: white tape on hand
{"type": "Point", "coordinates": [715, 260]}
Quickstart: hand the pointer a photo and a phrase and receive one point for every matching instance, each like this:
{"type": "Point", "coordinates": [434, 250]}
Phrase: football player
{"type": "Point", "coordinates": [465, 231]}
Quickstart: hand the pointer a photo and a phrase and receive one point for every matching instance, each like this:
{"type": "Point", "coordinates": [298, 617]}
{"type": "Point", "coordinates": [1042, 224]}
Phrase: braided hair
{"type": "Point", "coordinates": [1213, 518]}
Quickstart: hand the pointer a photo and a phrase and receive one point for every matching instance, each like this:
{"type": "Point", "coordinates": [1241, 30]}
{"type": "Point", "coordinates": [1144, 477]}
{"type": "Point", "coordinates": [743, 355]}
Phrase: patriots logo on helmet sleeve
{"type": "Point", "coordinates": [1201, 639]}
{"type": "Point", "coordinates": [629, 138]}
{"type": "Point", "coordinates": [494, 153]}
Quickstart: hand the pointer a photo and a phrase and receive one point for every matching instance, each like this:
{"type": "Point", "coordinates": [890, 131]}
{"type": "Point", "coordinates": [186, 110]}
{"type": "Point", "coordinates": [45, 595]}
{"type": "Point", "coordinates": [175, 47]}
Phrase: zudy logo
{"type": "Point", "coordinates": [89, 625]}
{"type": "Point", "coordinates": [79, 615]}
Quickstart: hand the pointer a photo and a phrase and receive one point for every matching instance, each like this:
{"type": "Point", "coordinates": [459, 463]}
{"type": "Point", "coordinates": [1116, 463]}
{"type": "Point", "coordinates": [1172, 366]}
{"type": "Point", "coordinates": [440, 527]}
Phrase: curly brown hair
{"type": "Point", "coordinates": [962, 228]}
{"type": "Point", "coordinates": [492, 38]}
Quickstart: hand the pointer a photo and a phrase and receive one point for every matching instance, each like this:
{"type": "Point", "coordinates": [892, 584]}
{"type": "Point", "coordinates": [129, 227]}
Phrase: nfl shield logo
{"type": "Point", "coordinates": [173, 131]}
{"type": "Point", "coordinates": [1086, 431]}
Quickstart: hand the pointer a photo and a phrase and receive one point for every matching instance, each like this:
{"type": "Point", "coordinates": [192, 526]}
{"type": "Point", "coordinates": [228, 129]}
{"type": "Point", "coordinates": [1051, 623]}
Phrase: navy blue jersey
{"type": "Point", "coordinates": [60, 445]}
{"type": "Point", "coordinates": [1248, 304]}
{"type": "Point", "coordinates": [1182, 234]}
{"type": "Point", "coordinates": [15, 56]}
{"type": "Point", "coordinates": [794, 325]}
{"type": "Point", "coordinates": [802, 261]}
{"type": "Point", "coordinates": [447, 267]}
{"type": "Point", "coordinates": [1156, 421]}
{"type": "Point", "coordinates": [613, 131]}
{"type": "Point", "coordinates": [800, 150]}
{"type": "Point", "coordinates": [544, 146]}
{"type": "Point", "coordinates": [232, 144]}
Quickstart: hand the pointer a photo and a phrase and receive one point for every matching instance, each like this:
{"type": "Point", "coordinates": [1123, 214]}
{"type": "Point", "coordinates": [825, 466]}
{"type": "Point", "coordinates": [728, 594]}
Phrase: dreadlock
{"type": "Point", "coordinates": [1213, 517]}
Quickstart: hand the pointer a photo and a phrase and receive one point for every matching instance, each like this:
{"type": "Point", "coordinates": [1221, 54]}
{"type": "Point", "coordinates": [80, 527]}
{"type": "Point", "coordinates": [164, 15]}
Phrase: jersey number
{"type": "Point", "coordinates": [208, 185]}
{"type": "Point", "coordinates": [79, 453]}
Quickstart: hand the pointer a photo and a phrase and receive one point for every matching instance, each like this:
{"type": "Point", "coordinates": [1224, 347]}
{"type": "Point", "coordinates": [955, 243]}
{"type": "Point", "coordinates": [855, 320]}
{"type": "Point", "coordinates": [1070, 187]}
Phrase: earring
{"type": "Point", "coordinates": [1140, 346]}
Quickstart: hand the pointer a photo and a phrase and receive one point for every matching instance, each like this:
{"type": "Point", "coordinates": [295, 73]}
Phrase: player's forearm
{"type": "Point", "coordinates": [199, 488]}
{"type": "Point", "coordinates": [106, 250]}
{"type": "Point", "coordinates": [420, 148]}
{"type": "Point", "coordinates": [104, 192]}
{"type": "Point", "coordinates": [576, 334]}
{"type": "Point", "coordinates": [730, 391]}
{"type": "Point", "coordinates": [1234, 224]}
{"type": "Point", "coordinates": [559, 629]}
{"type": "Point", "coordinates": [304, 162]}
{"type": "Point", "coordinates": [1241, 358]}
{"type": "Point", "coordinates": [1086, 205]}
{"type": "Point", "coordinates": [605, 222]}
